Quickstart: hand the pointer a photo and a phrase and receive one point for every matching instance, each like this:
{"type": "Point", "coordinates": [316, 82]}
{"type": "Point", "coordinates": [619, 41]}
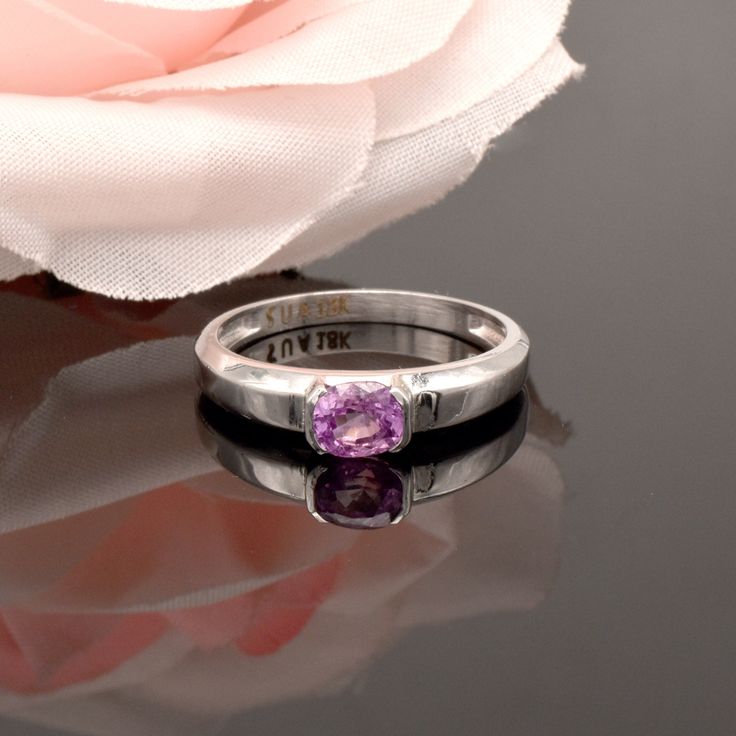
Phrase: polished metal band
{"type": "Point", "coordinates": [437, 395]}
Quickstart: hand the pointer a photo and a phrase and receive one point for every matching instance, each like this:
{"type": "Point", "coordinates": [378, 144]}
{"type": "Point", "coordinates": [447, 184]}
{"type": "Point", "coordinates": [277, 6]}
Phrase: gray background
{"type": "Point", "coordinates": [605, 223]}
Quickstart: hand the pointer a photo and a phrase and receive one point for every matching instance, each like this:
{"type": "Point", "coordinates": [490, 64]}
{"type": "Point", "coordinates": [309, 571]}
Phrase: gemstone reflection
{"type": "Point", "coordinates": [359, 494]}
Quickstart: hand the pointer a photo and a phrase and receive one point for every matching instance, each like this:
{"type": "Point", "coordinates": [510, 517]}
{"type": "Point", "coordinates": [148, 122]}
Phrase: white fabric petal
{"type": "Point", "coordinates": [178, 195]}
{"type": "Point", "coordinates": [415, 171]}
{"type": "Point", "coordinates": [492, 46]}
{"type": "Point", "coordinates": [366, 40]}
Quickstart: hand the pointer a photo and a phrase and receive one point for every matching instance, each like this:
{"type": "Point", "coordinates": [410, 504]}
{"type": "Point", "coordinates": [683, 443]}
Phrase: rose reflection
{"type": "Point", "coordinates": [131, 565]}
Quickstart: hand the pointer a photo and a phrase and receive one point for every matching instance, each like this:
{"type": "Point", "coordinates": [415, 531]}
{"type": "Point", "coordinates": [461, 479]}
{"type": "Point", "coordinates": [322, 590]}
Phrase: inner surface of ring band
{"type": "Point", "coordinates": [436, 313]}
{"type": "Point", "coordinates": [359, 346]}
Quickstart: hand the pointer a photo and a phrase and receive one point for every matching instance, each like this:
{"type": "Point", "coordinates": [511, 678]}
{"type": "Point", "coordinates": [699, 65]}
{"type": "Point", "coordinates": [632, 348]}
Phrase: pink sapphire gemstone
{"type": "Point", "coordinates": [358, 420]}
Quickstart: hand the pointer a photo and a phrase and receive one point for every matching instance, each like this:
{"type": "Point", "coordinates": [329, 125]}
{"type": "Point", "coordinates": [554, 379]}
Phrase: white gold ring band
{"type": "Point", "coordinates": [357, 413]}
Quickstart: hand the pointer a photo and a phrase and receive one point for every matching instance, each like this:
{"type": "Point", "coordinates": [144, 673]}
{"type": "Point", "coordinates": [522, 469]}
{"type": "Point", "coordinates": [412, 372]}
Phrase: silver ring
{"type": "Point", "coordinates": [359, 413]}
{"type": "Point", "coordinates": [364, 493]}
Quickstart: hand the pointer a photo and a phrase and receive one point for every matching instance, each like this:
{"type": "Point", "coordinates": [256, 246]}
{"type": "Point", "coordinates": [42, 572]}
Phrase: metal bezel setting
{"type": "Point", "coordinates": [395, 386]}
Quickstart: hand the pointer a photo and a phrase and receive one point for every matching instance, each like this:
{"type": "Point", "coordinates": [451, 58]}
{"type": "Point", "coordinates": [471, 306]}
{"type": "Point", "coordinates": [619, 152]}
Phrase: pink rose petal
{"type": "Point", "coordinates": [276, 22]}
{"type": "Point", "coordinates": [190, 5]}
{"type": "Point", "coordinates": [46, 51]}
{"type": "Point", "coordinates": [173, 37]}
{"type": "Point", "coordinates": [363, 41]}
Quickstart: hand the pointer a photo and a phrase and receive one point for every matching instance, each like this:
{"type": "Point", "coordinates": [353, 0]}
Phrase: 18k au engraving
{"type": "Point", "coordinates": [285, 349]}
{"type": "Point", "coordinates": [288, 315]}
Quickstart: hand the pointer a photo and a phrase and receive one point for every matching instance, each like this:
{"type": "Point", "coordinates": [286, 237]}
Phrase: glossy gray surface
{"type": "Point", "coordinates": [605, 223]}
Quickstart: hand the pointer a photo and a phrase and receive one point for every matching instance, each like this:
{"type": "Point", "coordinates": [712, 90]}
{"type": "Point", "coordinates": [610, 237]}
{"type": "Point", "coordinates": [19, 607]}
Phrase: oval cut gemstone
{"type": "Point", "coordinates": [359, 494]}
{"type": "Point", "coordinates": [358, 419]}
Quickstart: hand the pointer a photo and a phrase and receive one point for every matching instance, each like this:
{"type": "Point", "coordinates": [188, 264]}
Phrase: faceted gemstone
{"type": "Point", "coordinates": [359, 494]}
{"type": "Point", "coordinates": [358, 419]}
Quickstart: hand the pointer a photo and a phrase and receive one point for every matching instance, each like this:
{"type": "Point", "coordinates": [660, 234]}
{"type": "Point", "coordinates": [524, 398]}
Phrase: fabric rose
{"type": "Point", "coordinates": [152, 148]}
